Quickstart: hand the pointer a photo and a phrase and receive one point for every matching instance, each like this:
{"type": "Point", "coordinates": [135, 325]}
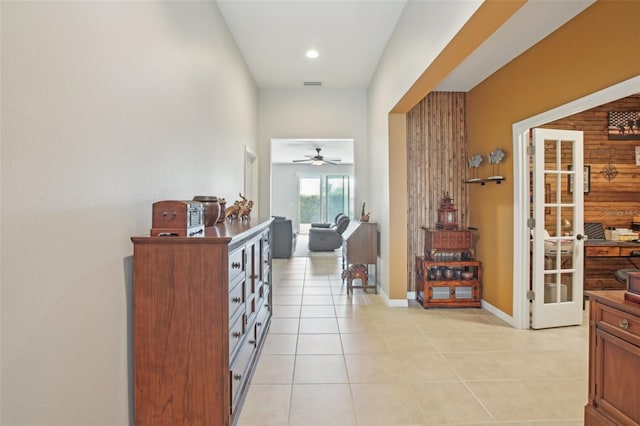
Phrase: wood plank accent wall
{"type": "Point", "coordinates": [611, 203]}
{"type": "Point", "coordinates": [436, 164]}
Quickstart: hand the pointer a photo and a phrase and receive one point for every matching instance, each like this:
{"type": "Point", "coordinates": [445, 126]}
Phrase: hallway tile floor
{"type": "Point", "coordinates": [337, 359]}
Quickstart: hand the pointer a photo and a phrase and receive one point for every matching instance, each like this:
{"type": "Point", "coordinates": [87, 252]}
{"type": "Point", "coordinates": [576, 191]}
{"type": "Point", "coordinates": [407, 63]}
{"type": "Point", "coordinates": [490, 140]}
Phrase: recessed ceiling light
{"type": "Point", "coordinates": [312, 54]}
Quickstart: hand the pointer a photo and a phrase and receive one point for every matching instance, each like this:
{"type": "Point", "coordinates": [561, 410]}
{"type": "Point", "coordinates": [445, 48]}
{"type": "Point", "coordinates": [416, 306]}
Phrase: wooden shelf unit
{"type": "Point", "coordinates": [441, 292]}
{"type": "Point", "coordinates": [201, 311]}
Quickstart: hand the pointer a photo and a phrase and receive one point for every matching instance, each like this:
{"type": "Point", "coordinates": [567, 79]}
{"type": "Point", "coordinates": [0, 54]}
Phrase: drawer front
{"type": "Point", "coordinates": [239, 370]}
{"type": "Point", "coordinates": [266, 237]}
{"type": "Point", "coordinates": [262, 321]}
{"type": "Point", "coordinates": [630, 251]}
{"type": "Point", "coordinates": [236, 331]}
{"type": "Point", "coordinates": [236, 264]}
{"type": "Point", "coordinates": [619, 323]}
{"type": "Point", "coordinates": [602, 251]}
{"type": "Point", "coordinates": [236, 298]}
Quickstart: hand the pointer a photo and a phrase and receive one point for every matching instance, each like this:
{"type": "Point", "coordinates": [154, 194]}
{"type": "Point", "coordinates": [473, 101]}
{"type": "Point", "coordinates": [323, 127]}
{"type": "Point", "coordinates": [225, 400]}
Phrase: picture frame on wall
{"type": "Point", "coordinates": [624, 125]}
{"type": "Point", "coordinates": [586, 184]}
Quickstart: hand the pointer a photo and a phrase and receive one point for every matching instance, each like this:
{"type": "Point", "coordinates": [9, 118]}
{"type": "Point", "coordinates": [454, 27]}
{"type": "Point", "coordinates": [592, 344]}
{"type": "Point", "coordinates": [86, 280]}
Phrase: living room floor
{"type": "Point", "coordinates": [337, 359]}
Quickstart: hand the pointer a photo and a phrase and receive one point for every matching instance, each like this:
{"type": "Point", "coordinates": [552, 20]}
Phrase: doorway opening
{"type": "Point", "coordinates": [307, 191]}
{"type": "Point", "coordinates": [521, 186]}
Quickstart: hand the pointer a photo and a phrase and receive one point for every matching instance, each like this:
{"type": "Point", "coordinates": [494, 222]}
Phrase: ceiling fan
{"type": "Point", "coordinates": [318, 160]}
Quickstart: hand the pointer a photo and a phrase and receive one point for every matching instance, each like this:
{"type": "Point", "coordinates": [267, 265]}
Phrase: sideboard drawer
{"type": "Point", "coordinates": [619, 323]}
{"type": "Point", "coordinates": [236, 298]}
{"type": "Point", "coordinates": [236, 264]}
{"type": "Point", "coordinates": [236, 331]}
{"type": "Point", "coordinates": [602, 251]}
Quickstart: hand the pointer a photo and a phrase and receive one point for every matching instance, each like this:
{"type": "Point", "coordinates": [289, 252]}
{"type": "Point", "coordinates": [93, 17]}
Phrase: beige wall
{"type": "Point", "coordinates": [589, 53]}
{"type": "Point", "coordinates": [403, 62]}
{"type": "Point", "coordinates": [106, 108]}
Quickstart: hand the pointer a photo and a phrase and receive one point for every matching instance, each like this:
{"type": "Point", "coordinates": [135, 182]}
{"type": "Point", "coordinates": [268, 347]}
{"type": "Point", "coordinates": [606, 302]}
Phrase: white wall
{"type": "Point", "coordinates": [311, 112]}
{"type": "Point", "coordinates": [403, 61]}
{"type": "Point", "coordinates": [284, 177]}
{"type": "Point", "coordinates": [106, 108]}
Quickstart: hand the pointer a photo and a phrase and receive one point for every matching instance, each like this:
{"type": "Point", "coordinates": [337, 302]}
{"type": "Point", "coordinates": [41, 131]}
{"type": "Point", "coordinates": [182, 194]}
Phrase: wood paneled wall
{"type": "Point", "coordinates": [615, 202]}
{"type": "Point", "coordinates": [436, 164]}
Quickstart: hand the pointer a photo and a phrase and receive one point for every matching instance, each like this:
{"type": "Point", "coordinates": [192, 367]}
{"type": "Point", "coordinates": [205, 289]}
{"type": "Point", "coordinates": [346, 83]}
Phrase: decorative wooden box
{"type": "Point", "coordinates": [448, 244]}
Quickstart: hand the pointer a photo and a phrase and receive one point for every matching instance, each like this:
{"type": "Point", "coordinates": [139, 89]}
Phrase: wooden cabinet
{"type": "Point", "coordinates": [360, 255]}
{"type": "Point", "coordinates": [435, 289]}
{"type": "Point", "coordinates": [201, 309]}
{"type": "Point", "coordinates": [614, 360]}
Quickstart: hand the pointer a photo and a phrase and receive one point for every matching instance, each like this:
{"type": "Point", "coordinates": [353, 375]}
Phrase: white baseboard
{"type": "Point", "coordinates": [393, 303]}
{"type": "Point", "coordinates": [498, 313]}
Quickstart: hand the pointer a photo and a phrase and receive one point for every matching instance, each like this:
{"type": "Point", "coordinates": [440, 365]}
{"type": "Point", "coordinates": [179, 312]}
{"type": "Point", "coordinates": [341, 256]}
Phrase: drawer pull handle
{"type": "Point", "coordinates": [259, 324]}
{"type": "Point", "coordinates": [624, 324]}
{"type": "Point", "coordinates": [235, 265]}
{"type": "Point", "coordinates": [236, 334]}
{"type": "Point", "coordinates": [236, 300]}
{"type": "Point", "coordinates": [253, 342]}
{"type": "Point", "coordinates": [237, 376]}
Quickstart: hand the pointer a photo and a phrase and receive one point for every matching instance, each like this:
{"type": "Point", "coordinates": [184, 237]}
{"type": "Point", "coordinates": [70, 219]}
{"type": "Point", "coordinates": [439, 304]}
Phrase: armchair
{"type": "Point", "coordinates": [328, 239]}
{"type": "Point", "coordinates": [283, 238]}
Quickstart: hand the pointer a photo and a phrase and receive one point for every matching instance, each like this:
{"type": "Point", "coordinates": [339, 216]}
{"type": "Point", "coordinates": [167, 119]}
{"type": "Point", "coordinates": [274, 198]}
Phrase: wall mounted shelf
{"type": "Point", "coordinates": [497, 180]}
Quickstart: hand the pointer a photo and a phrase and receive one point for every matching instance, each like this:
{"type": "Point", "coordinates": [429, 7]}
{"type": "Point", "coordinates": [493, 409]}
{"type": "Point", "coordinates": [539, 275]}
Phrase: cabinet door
{"type": "Point", "coordinates": [617, 386]}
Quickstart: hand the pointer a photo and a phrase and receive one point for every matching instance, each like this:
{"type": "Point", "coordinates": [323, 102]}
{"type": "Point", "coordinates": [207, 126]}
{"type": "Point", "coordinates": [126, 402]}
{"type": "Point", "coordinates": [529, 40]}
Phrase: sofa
{"type": "Point", "coordinates": [283, 238]}
{"type": "Point", "coordinates": [328, 239]}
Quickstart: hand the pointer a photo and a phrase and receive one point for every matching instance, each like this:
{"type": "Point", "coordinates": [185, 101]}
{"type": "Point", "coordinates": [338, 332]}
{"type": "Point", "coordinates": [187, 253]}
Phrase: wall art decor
{"type": "Point", "coordinates": [587, 179]}
{"type": "Point", "coordinates": [624, 125]}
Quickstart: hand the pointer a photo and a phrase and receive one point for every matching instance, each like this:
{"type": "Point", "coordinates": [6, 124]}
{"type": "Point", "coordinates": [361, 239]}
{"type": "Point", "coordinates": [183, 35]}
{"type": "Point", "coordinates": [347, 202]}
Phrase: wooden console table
{"type": "Point", "coordinates": [603, 258]}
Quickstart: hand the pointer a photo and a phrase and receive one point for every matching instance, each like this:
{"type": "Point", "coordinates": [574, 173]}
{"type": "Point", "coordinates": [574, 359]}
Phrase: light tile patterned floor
{"type": "Point", "coordinates": [337, 359]}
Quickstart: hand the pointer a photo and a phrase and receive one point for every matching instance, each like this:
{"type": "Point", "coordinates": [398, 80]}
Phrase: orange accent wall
{"type": "Point", "coordinates": [593, 51]}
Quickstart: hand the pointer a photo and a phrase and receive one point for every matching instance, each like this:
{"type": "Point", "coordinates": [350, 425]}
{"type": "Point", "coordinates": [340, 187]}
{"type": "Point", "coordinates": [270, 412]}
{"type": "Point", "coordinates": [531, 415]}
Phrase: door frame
{"type": "Point", "coordinates": [521, 200]}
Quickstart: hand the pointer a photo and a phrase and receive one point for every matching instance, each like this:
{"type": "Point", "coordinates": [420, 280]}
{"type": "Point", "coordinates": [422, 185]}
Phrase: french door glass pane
{"type": "Point", "coordinates": [310, 200]}
{"type": "Point", "coordinates": [337, 196]}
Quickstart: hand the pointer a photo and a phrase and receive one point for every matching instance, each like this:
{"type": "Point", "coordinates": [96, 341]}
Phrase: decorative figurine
{"type": "Point", "coordinates": [364, 217]}
{"type": "Point", "coordinates": [474, 163]}
{"type": "Point", "coordinates": [240, 209]}
{"type": "Point", "coordinates": [495, 158]}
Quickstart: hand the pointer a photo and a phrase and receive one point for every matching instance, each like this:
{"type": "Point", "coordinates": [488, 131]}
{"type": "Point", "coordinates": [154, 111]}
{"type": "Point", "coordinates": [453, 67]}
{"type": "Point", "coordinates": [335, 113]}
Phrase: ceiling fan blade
{"type": "Point", "coordinates": [330, 162]}
{"type": "Point", "coordinates": [333, 159]}
{"type": "Point", "coordinates": [300, 161]}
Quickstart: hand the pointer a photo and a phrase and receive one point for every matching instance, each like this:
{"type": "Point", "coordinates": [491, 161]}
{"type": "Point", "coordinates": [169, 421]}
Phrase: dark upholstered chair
{"type": "Point", "coordinates": [327, 225]}
{"type": "Point", "coordinates": [328, 239]}
{"type": "Point", "coordinates": [283, 238]}
{"type": "Point", "coordinates": [622, 274]}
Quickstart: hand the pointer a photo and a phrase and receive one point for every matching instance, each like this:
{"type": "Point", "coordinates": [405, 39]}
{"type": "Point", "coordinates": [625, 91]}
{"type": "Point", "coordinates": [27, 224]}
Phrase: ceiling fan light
{"type": "Point", "coordinates": [317, 162]}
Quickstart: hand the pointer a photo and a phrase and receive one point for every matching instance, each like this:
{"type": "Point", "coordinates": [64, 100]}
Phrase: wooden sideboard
{"type": "Point", "coordinates": [603, 258]}
{"type": "Point", "coordinates": [614, 360]}
{"type": "Point", "coordinates": [201, 311]}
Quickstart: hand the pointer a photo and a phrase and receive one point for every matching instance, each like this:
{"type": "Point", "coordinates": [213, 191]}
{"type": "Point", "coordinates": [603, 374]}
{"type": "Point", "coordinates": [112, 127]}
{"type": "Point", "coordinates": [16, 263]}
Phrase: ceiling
{"type": "Point", "coordinates": [284, 151]}
{"type": "Point", "coordinates": [351, 35]}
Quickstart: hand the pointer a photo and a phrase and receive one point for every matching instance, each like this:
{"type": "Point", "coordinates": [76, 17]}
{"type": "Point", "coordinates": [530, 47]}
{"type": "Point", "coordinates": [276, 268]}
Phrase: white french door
{"type": "Point", "coordinates": [557, 237]}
